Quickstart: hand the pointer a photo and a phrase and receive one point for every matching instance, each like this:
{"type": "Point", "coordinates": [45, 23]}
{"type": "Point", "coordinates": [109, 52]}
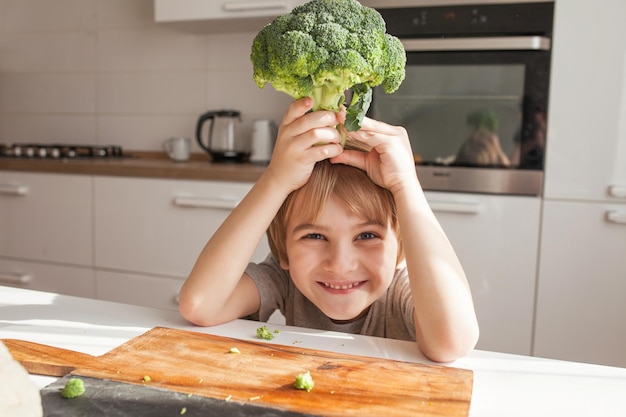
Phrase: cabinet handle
{"type": "Point", "coordinates": [614, 216]}
{"type": "Point", "coordinates": [455, 207]}
{"type": "Point", "coordinates": [210, 203]}
{"type": "Point", "coordinates": [15, 277]}
{"type": "Point", "coordinates": [618, 191]}
{"type": "Point", "coordinates": [242, 6]}
{"type": "Point", "coordinates": [13, 189]}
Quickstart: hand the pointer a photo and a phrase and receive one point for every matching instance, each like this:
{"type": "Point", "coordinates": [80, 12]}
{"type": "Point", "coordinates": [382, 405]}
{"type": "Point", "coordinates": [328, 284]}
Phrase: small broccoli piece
{"type": "Point", "coordinates": [146, 378]}
{"type": "Point", "coordinates": [325, 48]}
{"type": "Point", "coordinates": [73, 388]}
{"type": "Point", "coordinates": [234, 350]}
{"type": "Point", "coordinates": [304, 381]}
{"type": "Point", "coordinates": [264, 333]}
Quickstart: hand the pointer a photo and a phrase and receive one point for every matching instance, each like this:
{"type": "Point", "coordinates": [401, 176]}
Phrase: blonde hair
{"type": "Point", "coordinates": [350, 185]}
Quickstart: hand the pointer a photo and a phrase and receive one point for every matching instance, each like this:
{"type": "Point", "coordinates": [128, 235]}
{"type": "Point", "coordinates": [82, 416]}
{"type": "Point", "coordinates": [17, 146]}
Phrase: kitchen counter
{"type": "Point", "coordinates": [504, 384]}
{"type": "Point", "coordinates": [140, 164]}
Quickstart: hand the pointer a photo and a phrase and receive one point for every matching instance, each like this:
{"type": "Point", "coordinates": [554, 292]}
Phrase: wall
{"type": "Point", "coordinates": [103, 72]}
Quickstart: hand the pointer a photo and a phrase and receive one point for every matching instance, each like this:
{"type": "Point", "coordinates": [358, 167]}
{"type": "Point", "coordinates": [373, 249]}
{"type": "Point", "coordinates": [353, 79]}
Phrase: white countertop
{"type": "Point", "coordinates": [504, 384]}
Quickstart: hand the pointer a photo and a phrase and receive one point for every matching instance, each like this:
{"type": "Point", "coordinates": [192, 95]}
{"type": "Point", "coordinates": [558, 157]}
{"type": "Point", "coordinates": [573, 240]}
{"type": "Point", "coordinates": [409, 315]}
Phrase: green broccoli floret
{"type": "Point", "coordinates": [325, 48]}
{"type": "Point", "coordinates": [73, 388]}
{"type": "Point", "coordinates": [304, 381]}
{"type": "Point", "coordinates": [264, 332]}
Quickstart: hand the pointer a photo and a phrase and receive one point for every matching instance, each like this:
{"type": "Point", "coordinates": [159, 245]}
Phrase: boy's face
{"type": "Point", "coordinates": [342, 263]}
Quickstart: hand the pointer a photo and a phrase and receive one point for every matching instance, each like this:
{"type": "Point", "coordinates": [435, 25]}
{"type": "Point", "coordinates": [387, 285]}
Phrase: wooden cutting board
{"type": "Point", "coordinates": [264, 374]}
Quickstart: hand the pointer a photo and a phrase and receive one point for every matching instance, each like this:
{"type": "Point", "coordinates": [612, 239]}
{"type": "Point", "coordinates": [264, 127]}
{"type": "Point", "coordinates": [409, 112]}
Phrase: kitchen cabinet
{"type": "Point", "coordinates": [586, 140]}
{"type": "Point", "coordinates": [496, 239]}
{"type": "Point", "coordinates": [46, 232]}
{"type": "Point", "coordinates": [581, 314]}
{"type": "Point", "coordinates": [149, 291]}
{"type": "Point", "coordinates": [62, 279]}
{"type": "Point", "coordinates": [46, 217]}
{"type": "Point", "coordinates": [156, 228]}
{"type": "Point", "coordinates": [223, 15]}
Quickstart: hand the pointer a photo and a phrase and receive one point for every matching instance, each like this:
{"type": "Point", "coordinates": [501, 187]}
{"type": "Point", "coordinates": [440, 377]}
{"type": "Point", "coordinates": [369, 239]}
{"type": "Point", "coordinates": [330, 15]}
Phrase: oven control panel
{"type": "Point", "coordinates": [463, 20]}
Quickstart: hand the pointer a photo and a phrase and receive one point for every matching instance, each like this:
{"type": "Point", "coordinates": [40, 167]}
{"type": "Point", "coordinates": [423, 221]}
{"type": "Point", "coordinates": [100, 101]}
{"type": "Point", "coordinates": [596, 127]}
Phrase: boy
{"type": "Point", "coordinates": [365, 255]}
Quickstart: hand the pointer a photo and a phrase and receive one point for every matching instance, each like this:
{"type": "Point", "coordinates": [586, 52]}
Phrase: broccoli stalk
{"type": "Point", "coordinates": [325, 48]}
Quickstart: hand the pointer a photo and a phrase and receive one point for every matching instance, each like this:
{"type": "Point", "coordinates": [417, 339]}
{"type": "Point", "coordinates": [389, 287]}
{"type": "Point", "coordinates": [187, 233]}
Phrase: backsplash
{"type": "Point", "coordinates": [103, 72]}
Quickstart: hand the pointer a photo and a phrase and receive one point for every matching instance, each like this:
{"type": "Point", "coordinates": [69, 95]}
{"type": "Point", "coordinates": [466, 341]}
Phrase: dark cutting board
{"type": "Point", "coordinates": [263, 374]}
{"type": "Point", "coordinates": [106, 398]}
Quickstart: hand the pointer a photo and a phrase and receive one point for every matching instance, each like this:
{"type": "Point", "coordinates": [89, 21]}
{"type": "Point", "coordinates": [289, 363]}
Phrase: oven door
{"type": "Point", "coordinates": [475, 110]}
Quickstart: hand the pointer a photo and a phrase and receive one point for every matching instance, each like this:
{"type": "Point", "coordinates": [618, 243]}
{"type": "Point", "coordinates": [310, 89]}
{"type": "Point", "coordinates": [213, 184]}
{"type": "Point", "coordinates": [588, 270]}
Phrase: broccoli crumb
{"type": "Point", "coordinates": [183, 410]}
{"type": "Point", "coordinates": [264, 333]}
{"type": "Point", "coordinates": [304, 381]}
{"type": "Point", "coordinates": [234, 350]}
{"type": "Point", "coordinates": [73, 388]}
{"type": "Point", "coordinates": [146, 378]}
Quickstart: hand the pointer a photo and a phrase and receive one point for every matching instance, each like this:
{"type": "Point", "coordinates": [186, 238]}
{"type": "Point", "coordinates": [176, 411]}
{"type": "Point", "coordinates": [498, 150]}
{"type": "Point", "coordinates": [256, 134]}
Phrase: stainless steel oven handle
{"type": "Point", "coordinates": [503, 43]}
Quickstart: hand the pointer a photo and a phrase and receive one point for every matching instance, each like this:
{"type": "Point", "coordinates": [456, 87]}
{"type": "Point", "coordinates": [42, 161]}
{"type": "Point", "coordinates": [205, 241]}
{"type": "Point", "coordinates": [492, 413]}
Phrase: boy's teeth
{"type": "Point", "coordinates": [339, 287]}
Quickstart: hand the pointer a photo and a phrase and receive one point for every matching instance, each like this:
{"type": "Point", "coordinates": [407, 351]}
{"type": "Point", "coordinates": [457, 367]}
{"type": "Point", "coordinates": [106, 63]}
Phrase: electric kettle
{"type": "Point", "coordinates": [225, 143]}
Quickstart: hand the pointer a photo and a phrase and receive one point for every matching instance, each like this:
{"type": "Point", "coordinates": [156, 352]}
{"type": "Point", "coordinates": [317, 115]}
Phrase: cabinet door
{"type": "Point", "coordinates": [149, 291]}
{"type": "Point", "coordinates": [46, 217]}
{"type": "Point", "coordinates": [159, 227]}
{"type": "Point", "coordinates": [70, 280]}
{"type": "Point", "coordinates": [496, 239]}
{"type": "Point", "coordinates": [581, 313]}
{"type": "Point", "coordinates": [586, 141]}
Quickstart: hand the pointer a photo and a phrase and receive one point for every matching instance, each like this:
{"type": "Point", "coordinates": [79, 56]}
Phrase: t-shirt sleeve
{"type": "Point", "coordinates": [272, 282]}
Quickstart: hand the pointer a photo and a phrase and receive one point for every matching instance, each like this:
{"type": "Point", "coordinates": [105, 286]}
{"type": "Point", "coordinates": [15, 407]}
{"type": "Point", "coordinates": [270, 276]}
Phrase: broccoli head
{"type": "Point", "coordinates": [73, 388]}
{"type": "Point", "coordinates": [325, 48]}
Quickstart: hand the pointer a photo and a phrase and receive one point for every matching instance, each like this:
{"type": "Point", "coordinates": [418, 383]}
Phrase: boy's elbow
{"type": "Point", "coordinates": [452, 346]}
{"type": "Point", "coordinates": [191, 308]}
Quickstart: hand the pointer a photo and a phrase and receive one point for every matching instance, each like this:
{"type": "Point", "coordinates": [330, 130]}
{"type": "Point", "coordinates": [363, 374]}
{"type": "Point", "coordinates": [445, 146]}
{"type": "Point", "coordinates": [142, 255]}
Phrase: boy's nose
{"type": "Point", "coordinates": [340, 259]}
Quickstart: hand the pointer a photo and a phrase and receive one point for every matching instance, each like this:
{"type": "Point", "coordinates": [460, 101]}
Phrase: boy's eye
{"type": "Point", "coordinates": [314, 236]}
{"type": "Point", "coordinates": [367, 235]}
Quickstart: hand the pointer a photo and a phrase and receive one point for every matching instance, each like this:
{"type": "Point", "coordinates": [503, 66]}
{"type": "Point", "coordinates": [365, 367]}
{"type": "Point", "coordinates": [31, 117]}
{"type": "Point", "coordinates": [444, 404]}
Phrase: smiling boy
{"type": "Point", "coordinates": [355, 246]}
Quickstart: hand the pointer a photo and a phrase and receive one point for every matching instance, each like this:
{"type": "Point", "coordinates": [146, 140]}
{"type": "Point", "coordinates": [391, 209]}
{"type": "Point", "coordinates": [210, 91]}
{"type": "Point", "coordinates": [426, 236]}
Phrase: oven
{"type": "Point", "coordinates": [475, 95]}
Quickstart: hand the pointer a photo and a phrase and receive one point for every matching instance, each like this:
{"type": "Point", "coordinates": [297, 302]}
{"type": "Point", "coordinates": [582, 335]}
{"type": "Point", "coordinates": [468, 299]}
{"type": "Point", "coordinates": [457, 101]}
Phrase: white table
{"type": "Point", "coordinates": [504, 384]}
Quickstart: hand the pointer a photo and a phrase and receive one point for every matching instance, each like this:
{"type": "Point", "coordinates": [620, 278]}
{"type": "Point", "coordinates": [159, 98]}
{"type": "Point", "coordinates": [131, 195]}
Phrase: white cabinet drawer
{"type": "Point", "coordinates": [46, 217]}
{"type": "Point", "coordinates": [159, 227]}
{"type": "Point", "coordinates": [68, 280]}
{"type": "Point", "coordinates": [496, 239]}
{"type": "Point", "coordinates": [141, 290]}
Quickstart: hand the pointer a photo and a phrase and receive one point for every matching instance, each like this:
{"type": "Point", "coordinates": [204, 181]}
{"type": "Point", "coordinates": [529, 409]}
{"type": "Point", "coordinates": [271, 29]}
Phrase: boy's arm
{"type": "Point", "coordinates": [217, 290]}
{"type": "Point", "coordinates": [445, 321]}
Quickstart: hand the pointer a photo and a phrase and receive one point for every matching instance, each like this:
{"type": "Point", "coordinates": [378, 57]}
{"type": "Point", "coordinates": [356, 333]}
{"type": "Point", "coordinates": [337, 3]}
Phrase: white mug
{"type": "Point", "coordinates": [178, 149]}
{"type": "Point", "coordinates": [263, 138]}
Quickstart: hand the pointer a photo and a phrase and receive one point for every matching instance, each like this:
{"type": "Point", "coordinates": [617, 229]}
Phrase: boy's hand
{"type": "Point", "coordinates": [390, 163]}
{"type": "Point", "coordinates": [303, 139]}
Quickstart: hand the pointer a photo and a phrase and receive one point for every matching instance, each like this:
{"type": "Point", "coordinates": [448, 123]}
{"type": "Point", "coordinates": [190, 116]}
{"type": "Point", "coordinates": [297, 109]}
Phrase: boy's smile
{"type": "Point", "coordinates": [341, 262]}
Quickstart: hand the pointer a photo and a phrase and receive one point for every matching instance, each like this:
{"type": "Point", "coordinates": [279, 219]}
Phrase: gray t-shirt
{"type": "Point", "coordinates": [390, 316]}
